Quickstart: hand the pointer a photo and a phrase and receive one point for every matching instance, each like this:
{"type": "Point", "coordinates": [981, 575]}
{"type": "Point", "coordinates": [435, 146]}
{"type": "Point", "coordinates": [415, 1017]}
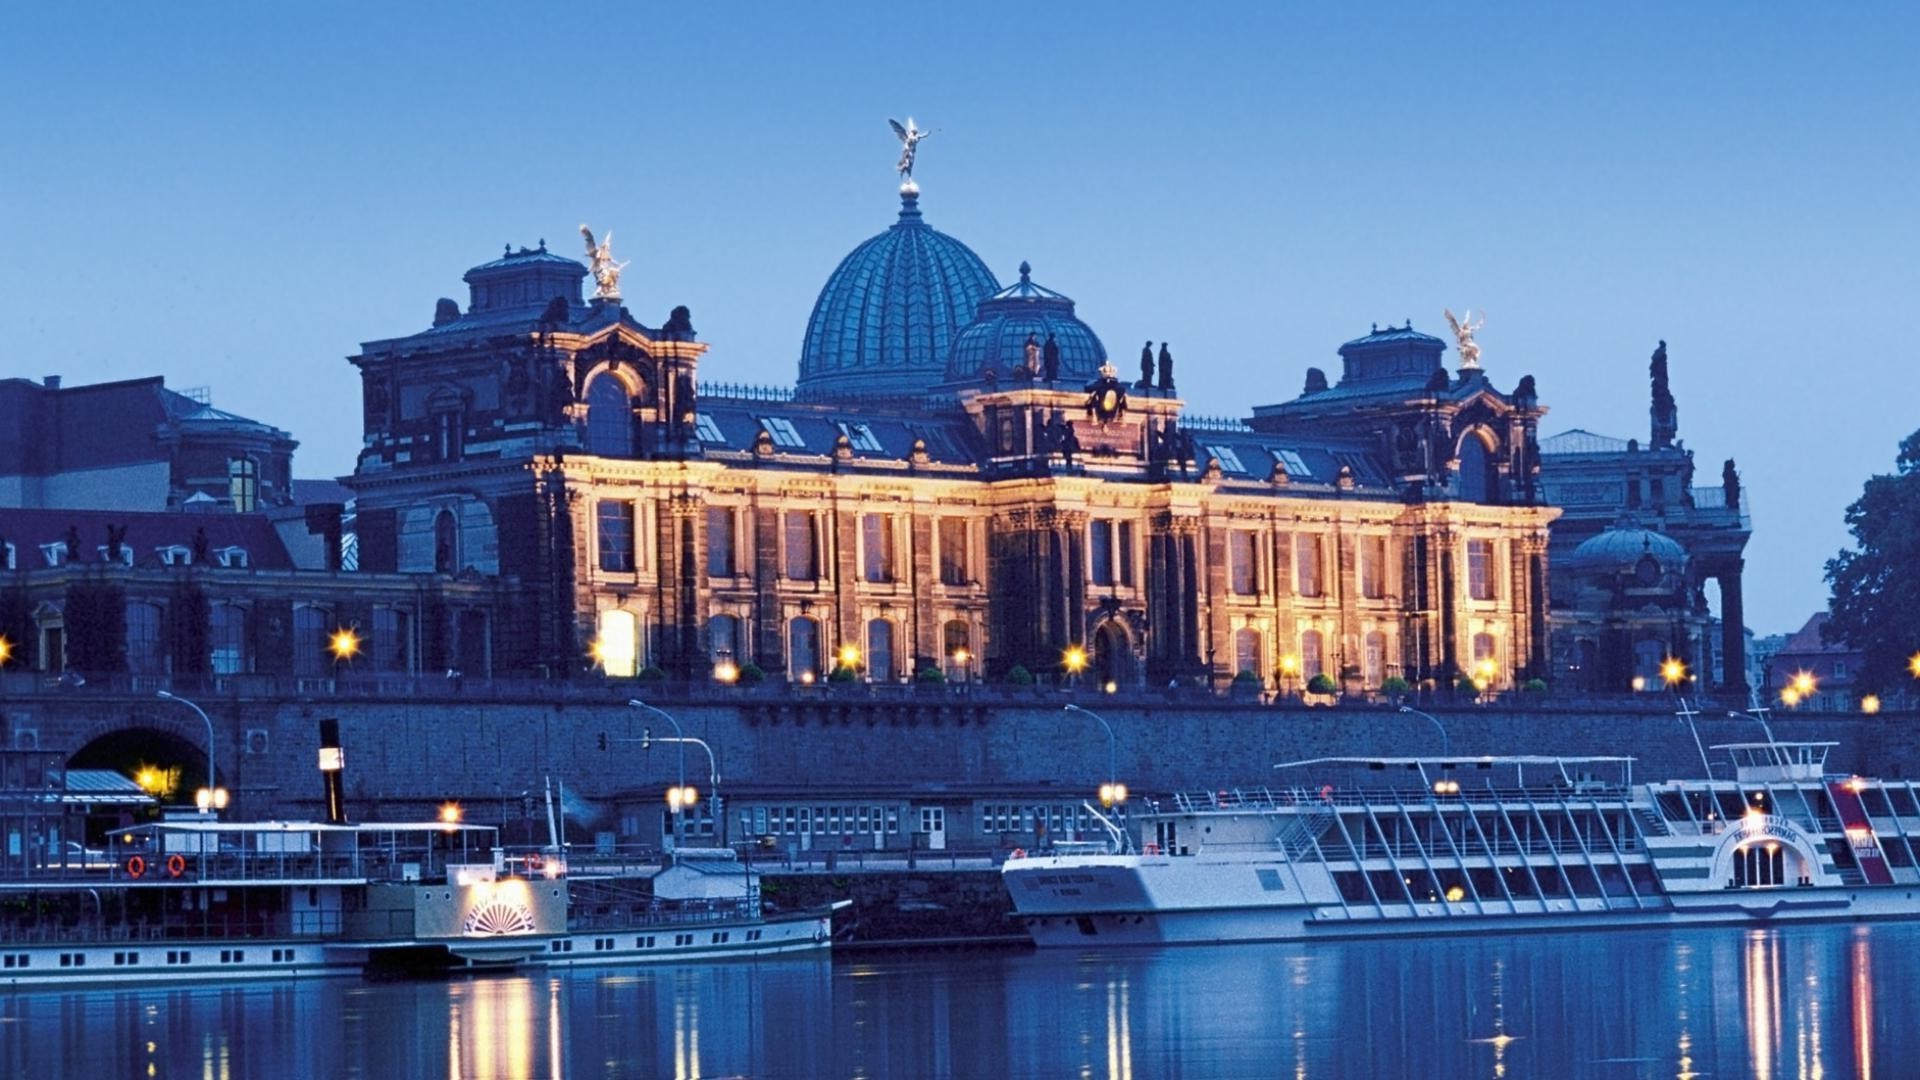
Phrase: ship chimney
{"type": "Point", "coordinates": [333, 762]}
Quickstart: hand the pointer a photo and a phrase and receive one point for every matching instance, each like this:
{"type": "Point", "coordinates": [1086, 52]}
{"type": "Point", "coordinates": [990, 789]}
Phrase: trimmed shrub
{"type": "Point", "coordinates": [752, 675]}
{"type": "Point", "coordinates": [1246, 679]}
{"type": "Point", "coordinates": [1323, 684]}
{"type": "Point", "coordinates": [930, 675]}
{"type": "Point", "coordinates": [1466, 686]}
{"type": "Point", "coordinates": [651, 674]}
{"type": "Point", "coordinates": [1535, 686]}
{"type": "Point", "coordinates": [1018, 675]}
{"type": "Point", "coordinates": [1394, 684]}
{"type": "Point", "coordinates": [841, 673]}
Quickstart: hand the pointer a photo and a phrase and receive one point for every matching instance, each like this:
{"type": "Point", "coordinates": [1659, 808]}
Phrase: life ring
{"type": "Point", "coordinates": [1326, 793]}
{"type": "Point", "coordinates": [136, 866]}
{"type": "Point", "coordinates": [533, 863]}
{"type": "Point", "coordinates": [1151, 849]}
{"type": "Point", "coordinates": [176, 865]}
{"type": "Point", "coordinates": [1018, 853]}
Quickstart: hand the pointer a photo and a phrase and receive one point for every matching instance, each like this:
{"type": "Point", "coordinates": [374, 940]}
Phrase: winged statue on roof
{"type": "Point", "coordinates": [606, 272]}
{"type": "Point", "coordinates": [1464, 328]}
{"type": "Point", "coordinates": [910, 137]}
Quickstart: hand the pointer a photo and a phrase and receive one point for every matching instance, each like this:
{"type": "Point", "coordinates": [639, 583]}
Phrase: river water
{"type": "Point", "coordinates": [1812, 1001]}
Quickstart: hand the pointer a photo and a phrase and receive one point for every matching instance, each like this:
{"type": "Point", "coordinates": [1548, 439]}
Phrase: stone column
{"type": "Point", "coordinates": [1733, 638]}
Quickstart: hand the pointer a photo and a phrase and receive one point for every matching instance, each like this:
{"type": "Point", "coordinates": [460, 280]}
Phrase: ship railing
{"type": "Point", "coordinates": [1409, 848]}
{"type": "Point", "coordinates": [158, 867]}
{"type": "Point", "coordinates": [179, 928]}
{"type": "Point", "coordinates": [1388, 798]}
{"type": "Point", "coordinates": [666, 913]}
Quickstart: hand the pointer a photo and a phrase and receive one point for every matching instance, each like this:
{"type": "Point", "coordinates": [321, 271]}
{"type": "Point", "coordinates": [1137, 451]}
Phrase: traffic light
{"type": "Point", "coordinates": [603, 740]}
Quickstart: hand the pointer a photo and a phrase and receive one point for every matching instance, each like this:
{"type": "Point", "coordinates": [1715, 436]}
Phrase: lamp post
{"type": "Point", "coordinates": [209, 796]}
{"type": "Point", "coordinates": [1113, 792]}
{"type": "Point", "coordinates": [676, 798]}
{"type": "Point", "coordinates": [1758, 715]}
{"type": "Point", "coordinates": [1075, 659]}
{"type": "Point", "coordinates": [1289, 671]}
{"type": "Point", "coordinates": [713, 776]}
{"type": "Point", "coordinates": [1446, 745]}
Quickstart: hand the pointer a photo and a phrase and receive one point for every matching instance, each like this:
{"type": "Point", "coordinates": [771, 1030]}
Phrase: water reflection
{"type": "Point", "coordinates": [1802, 1002]}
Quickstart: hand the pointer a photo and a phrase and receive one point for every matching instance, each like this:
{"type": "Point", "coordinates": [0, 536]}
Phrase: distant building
{"type": "Point", "coordinates": [1633, 553]}
{"type": "Point", "coordinates": [1808, 660]}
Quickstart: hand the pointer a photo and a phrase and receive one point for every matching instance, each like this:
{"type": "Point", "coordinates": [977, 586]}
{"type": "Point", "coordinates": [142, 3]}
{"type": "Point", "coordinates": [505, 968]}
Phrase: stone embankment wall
{"type": "Point", "coordinates": [421, 751]}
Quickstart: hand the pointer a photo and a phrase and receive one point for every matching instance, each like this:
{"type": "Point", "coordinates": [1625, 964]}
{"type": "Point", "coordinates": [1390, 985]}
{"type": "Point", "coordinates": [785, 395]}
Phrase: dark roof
{"type": "Point", "coordinates": [1255, 454]}
{"type": "Point", "coordinates": [1580, 441]}
{"type": "Point", "coordinates": [307, 492]}
{"type": "Point", "coordinates": [1394, 335]}
{"type": "Point", "coordinates": [1807, 641]}
{"type": "Point", "coordinates": [147, 532]}
{"type": "Point", "coordinates": [948, 436]}
{"type": "Point", "coordinates": [46, 430]}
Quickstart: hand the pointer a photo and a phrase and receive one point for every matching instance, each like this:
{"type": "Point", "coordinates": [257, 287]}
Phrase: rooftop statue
{"type": "Point", "coordinates": [910, 137]}
{"type": "Point", "coordinates": [606, 272]}
{"type": "Point", "coordinates": [1463, 330]}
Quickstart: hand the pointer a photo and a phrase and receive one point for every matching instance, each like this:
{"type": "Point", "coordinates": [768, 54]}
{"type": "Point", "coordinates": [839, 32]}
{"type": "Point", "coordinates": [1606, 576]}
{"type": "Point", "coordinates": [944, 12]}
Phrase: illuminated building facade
{"type": "Point", "coordinates": [961, 481]}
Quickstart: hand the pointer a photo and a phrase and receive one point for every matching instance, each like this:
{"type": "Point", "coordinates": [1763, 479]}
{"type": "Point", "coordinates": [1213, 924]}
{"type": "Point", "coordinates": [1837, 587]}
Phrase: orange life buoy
{"type": "Point", "coordinates": [1152, 849]}
{"type": "Point", "coordinates": [176, 865]}
{"type": "Point", "coordinates": [1018, 853]}
{"type": "Point", "coordinates": [136, 866]}
{"type": "Point", "coordinates": [533, 863]}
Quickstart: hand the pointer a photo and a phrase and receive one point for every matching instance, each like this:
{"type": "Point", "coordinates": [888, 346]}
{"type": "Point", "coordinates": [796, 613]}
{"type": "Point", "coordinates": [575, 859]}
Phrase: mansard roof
{"type": "Point", "coordinates": [28, 530]}
{"type": "Point", "coordinates": [810, 429]}
{"type": "Point", "coordinates": [1251, 455]}
{"type": "Point", "coordinates": [45, 430]}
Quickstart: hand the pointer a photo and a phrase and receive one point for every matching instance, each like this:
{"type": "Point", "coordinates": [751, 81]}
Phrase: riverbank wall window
{"type": "Point", "coordinates": [614, 519]}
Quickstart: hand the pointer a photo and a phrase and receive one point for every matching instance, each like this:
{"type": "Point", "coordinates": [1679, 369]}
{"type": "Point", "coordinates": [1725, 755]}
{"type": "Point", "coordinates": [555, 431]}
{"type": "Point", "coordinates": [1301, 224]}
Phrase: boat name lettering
{"type": "Point", "coordinates": [1775, 827]}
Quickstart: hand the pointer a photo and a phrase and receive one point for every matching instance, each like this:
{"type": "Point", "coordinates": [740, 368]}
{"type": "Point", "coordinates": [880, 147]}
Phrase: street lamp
{"type": "Point", "coordinates": [850, 658]}
{"type": "Point", "coordinates": [6, 650]}
{"type": "Point", "coordinates": [1673, 672]}
{"type": "Point", "coordinates": [344, 644]}
{"type": "Point", "coordinates": [1446, 745]}
{"type": "Point", "coordinates": [1289, 670]}
{"type": "Point", "coordinates": [961, 660]}
{"type": "Point", "coordinates": [680, 796]}
{"type": "Point", "coordinates": [1913, 664]}
{"type": "Point", "coordinates": [726, 672]}
{"type": "Point", "coordinates": [1804, 684]}
{"type": "Point", "coordinates": [1870, 704]}
{"type": "Point", "coordinates": [1112, 793]}
{"type": "Point", "coordinates": [1075, 659]}
{"type": "Point", "coordinates": [216, 797]}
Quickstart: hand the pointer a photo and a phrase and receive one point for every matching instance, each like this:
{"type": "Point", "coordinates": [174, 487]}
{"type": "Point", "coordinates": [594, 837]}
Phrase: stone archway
{"type": "Point", "coordinates": [1113, 660]}
{"type": "Point", "coordinates": [175, 762]}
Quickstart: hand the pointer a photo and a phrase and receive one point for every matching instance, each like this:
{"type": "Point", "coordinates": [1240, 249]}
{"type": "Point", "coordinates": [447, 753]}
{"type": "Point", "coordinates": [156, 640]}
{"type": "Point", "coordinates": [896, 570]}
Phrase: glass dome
{"type": "Point", "coordinates": [884, 324]}
{"type": "Point", "coordinates": [996, 340]}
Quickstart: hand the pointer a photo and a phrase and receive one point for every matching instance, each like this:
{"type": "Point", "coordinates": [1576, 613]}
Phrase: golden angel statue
{"type": "Point", "coordinates": [606, 272]}
{"type": "Point", "coordinates": [1464, 328]}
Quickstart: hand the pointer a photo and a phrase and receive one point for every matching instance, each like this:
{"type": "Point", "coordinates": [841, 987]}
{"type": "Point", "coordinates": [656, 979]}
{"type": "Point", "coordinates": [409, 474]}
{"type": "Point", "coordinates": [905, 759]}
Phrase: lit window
{"type": "Point", "coordinates": [1295, 464]}
{"type": "Point", "coordinates": [706, 429]}
{"type": "Point", "coordinates": [1480, 569]}
{"type": "Point", "coordinates": [1229, 461]}
{"type": "Point", "coordinates": [1373, 567]}
{"type": "Point", "coordinates": [861, 436]}
{"type": "Point", "coordinates": [1306, 561]}
{"type": "Point", "coordinates": [782, 431]}
{"type": "Point", "coordinates": [243, 484]}
{"type": "Point", "coordinates": [616, 645]}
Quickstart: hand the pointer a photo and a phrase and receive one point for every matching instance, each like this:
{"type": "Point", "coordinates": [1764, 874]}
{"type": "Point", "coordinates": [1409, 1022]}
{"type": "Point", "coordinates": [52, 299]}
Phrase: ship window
{"type": "Point", "coordinates": [1353, 888]}
{"type": "Point", "coordinates": [1486, 883]}
{"type": "Point", "coordinates": [1389, 886]}
{"type": "Point", "coordinates": [1875, 800]}
{"type": "Point", "coordinates": [1731, 808]}
{"type": "Point", "coordinates": [1672, 806]}
{"type": "Point", "coordinates": [1269, 879]}
{"type": "Point", "coordinates": [1896, 850]}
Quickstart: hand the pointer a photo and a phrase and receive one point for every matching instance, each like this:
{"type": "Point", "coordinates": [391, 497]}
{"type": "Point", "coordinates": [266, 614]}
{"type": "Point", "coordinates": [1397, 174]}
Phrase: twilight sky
{"type": "Point", "coordinates": [237, 197]}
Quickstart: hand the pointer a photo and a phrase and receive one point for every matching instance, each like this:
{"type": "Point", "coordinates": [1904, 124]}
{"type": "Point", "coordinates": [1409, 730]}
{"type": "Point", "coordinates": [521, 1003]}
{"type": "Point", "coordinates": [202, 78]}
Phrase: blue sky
{"type": "Point", "coordinates": [235, 197]}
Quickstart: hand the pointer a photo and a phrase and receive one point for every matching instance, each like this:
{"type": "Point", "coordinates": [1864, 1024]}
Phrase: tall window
{"type": "Point", "coordinates": [1243, 565]}
{"type": "Point", "coordinates": [227, 627]}
{"type": "Point", "coordinates": [1484, 661]}
{"type": "Point", "coordinates": [311, 628]}
{"type": "Point", "coordinates": [1306, 564]}
{"type": "Point", "coordinates": [876, 544]}
{"type": "Point", "coordinates": [723, 637]}
{"type": "Point", "coordinates": [802, 561]}
{"type": "Point", "coordinates": [390, 647]}
{"type": "Point", "coordinates": [953, 551]}
{"type": "Point", "coordinates": [609, 418]}
{"type": "Point", "coordinates": [1373, 567]}
{"type": "Point", "coordinates": [143, 640]}
{"type": "Point", "coordinates": [1246, 651]}
{"type": "Point", "coordinates": [1100, 551]}
{"type": "Point", "coordinates": [957, 638]}
{"type": "Point", "coordinates": [803, 647]}
{"type": "Point", "coordinates": [449, 434]}
{"type": "Point", "coordinates": [617, 644]}
{"type": "Point", "coordinates": [1376, 669]}
{"type": "Point", "coordinates": [243, 484]}
{"type": "Point", "coordinates": [1312, 662]}
{"type": "Point", "coordinates": [446, 543]}
{"type": "Point", "coordinates": [880, 650]}
{"type": "Point", "coordinates": [720, 542]}
{"type": "Point", "coordinates": [615, 520]}
{"type": "Point", "coordinates": [1480, 569]}
{"type": "Point", "coordinates": [1123, 558]}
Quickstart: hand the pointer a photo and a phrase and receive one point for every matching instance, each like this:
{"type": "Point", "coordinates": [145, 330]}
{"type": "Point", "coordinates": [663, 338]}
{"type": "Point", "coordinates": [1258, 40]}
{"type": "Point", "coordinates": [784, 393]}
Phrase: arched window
{"type": "Point", "coordinates": [1476, 480]}
{"type": "Point", "coordinates": [803, 648]}
{"type": "Point", "coordinates": [1312, 662]}
{"type": "Point", "coordinates": [1246, 651]}
{"type": "Point", "coordinates": [723, 637]}
{"type": "Point", "coordinates": [617, 644]}
{"type": "Point", "coordinates": [1376, 658]}
{"type": "Point", "coordinates": [880, 650]}
{"type": "Point", "coordinates": [446, 543]}
{"type": "Point", "coordinates": [143, 640]}
{"type": "Point", "coordinates": [311, 628]}
{"type": "Point", "coordinates": [227, 629]}
{"type": "Point", "coordinates": [609, 418]}
{"type": "Point", "coordinates": [243, 484]}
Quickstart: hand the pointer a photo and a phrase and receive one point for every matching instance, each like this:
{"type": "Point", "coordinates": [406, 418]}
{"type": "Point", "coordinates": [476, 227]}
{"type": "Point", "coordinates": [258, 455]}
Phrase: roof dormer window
{"type": "Point", "coordinates": [233, 558]}
{"type": "Point", "coordinates": [55, 553]}
{"type": "Point", "coordinates": [782, 432]}
{"type": "Point", "coordinates": [175, 555]}
{"type": "Point", "coordinates": [7, 557]}
{"type": "Point", "coordinates": [860, 436]}
{"type": "Point", "coordinates": [126, 554]}
{"type": "Point", "coordinates": [706, 430]}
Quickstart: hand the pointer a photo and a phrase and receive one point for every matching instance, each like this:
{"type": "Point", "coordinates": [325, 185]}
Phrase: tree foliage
{"type": "Point", "coordinates": [1875, 606]}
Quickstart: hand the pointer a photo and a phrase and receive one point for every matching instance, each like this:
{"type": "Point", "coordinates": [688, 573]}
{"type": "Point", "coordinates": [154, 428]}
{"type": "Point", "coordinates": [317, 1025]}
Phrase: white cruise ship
{"type": "Point", "coordinates": [1351, 847]}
